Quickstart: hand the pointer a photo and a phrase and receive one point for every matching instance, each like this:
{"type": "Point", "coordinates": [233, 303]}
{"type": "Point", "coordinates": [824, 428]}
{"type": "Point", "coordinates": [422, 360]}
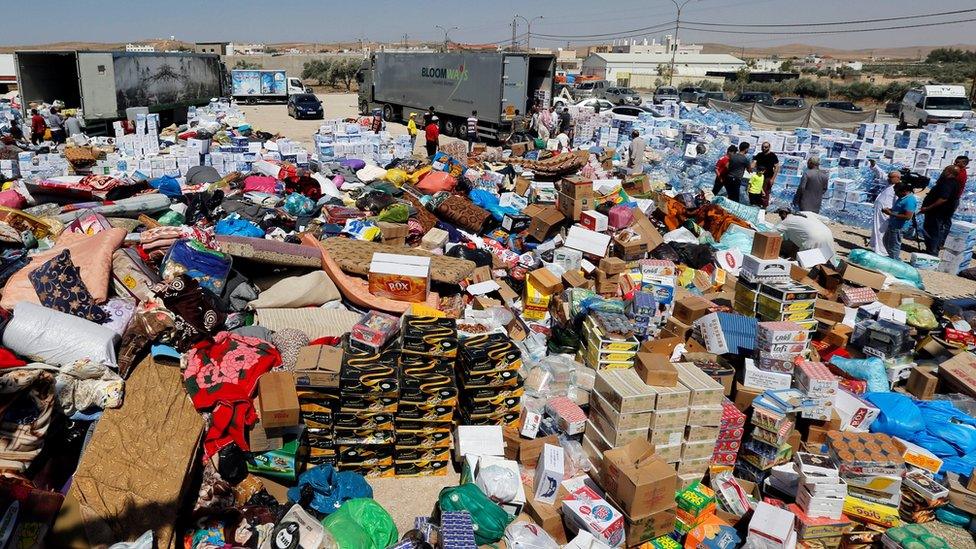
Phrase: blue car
{"type": "Point", "coordinates": [305, 105]}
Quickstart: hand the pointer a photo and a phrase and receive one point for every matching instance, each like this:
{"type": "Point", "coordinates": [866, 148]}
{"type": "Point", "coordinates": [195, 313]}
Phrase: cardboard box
{"type": "Point", "coordinates": [624, 391]}
{"type": "Point", "coordinates": [670, 398]}
{"type": "Point", "coordinates": [641, 482]}
{"type": "Point", "coordinates": [479, 440]}
{"type": "Point", "coordinates": [760, 379]}
{"type": "Point", "coordinates": [620, 421]}
{"type": "Point", "coordinates": [318, 366]}
{"type": "Point", "coordinates": [828, 311]}
{"type": "Point", "coordinates": [393, 233]}
{"type": "Point", "coordinates": [594, 220]}
{"type": "Point", "coordinates": [773, 525]}
{"type": "Point", "coordinates": [587, 241]}
{"type": "Point", "coordinates": [859, 276]}
{"type": "Point", "coordinates": [547, 517]}
{"type": "Point", "coordinates": [630, 249]}
{"type": "Point", "coordinates": [549, 473]}
{"type": "Point", "coordinates": [576, 186]}
{"type": "Point", "coordinates": [855, 413]}
{"type": "Point", "coordinates": [656, 369]}
{"type": "Point", "coordinates": [644, 529]}
{"type": "Point", "coordinates": [766, 245]}
{"type": "Point", "coordinates": [705, 391]}
{"type": "Point", "coordinates": [278, 400]}
{"type": "Point", "coordinates": [584, 509]}
{"type": "Point", "coordinates": [959, 373]}
{"type": "Point", "coordinates": [745, 395]}
{"type": "Point", "coordinates": [399, 277]}
{"type": "Point", "coordinates": [571, 207]}
{"type": "Point", "coordinates": [692, 308]}
{"type": "Point", "coordinates": [613, 265]}
{"type": "Point", "coordinates": [575, 279]}
{"type": "Point", "coordinates": [544, 220]}
{"type": "Point", "coordinates": [545, 281]}
{"type": "Point", "coordinates": [922, 383]}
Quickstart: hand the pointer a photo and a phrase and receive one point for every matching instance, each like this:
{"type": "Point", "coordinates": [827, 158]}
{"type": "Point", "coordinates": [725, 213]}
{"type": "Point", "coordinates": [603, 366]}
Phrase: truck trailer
{"type": "Point", "coordinates": [104, 84]}
{"type": "Point", "coordinates": [493, 83]}
{"type": "Point", "coordinates": [253, 85]}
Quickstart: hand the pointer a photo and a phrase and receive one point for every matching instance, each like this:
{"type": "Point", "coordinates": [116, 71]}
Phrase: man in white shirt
{"type": "Point", "coordinates": [885, 200]}
{"type": "Point", "coordinates": [807, 231]}
{"type": "Point", "coordinates": [635, 159]}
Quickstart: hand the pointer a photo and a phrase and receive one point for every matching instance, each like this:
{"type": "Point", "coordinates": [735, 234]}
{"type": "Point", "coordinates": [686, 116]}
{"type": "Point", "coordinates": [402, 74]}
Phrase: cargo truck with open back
{"type": "Point", "coordinates": [271, 86]}
{"type": "Point", "coordinates": [456, 83]}
{"type": "Point", "coordinates": [104, 84]}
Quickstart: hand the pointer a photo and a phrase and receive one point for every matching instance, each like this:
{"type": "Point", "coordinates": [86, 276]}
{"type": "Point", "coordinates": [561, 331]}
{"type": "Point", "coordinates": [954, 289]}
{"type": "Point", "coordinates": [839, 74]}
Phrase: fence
{"type": "Point", "coordinates": [779, 118]}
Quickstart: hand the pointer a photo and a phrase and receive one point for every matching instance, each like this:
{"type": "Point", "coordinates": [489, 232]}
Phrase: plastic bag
{"type": "Point", "coordinates": [489, 519]}
{"type": "Point", "coordinates": [299, 204]}
{"type": "Point", "coordinates": [525, 535]}
{"type": "Point", "coordinates": [898, 269]}
{"type": "Point", "coordinates": [374, 521]}
{"type": "Point", "coordinates": [871, 369]}
{"type": "Point", "coordinates": [331, 488]}
{"type": "Point", "coordinates": [397, 176]}
{"type": "Point", "coordinates": [498, 483]}
{"type": "Point", "coordinates": [919, 316]}
{"type": "Point", "coordinates": [436, 181]}
{"type": "Point", "coordinates": [899, 416]}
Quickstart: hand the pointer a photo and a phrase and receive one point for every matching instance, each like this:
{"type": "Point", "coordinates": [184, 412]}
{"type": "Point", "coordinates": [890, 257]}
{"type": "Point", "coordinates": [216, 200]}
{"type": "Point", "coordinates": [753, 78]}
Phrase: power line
{"type": "Point", "coordinates": [842, 31]}
{"type": "Point", "coordinates": [825, 24]}
{"type": "Point", "coordinates": [630, 32]}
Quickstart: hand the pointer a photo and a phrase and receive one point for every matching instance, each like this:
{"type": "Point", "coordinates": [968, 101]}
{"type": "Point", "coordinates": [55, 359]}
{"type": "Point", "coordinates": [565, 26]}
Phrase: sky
{"type": "Point", "coordinates": [480, 21]}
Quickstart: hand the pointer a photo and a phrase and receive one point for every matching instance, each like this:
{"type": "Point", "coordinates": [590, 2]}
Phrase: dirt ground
{"type": "Point", "coordinates": [274, 118]}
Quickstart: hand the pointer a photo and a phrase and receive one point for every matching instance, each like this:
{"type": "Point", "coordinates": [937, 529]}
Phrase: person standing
{"type": "Point", "coordinates": [565, 121]}
{"type": "Point", "coordinates": [962, 162]}
{"type": "Point", "coordinates": [635, 157]}
{"type": "Point", "coordinates": [74, 125]}
{"type": "Point", "coordinates": [38, 127]}
{"type": "Point", "coordinates": [904, 208]}
{"type": "Point", "coordinates": [884, 201]}
{"type": "Point", "coordinates": [878, 183]}
{"type": "Point", "coordinates": [518, 127]}
{"type": "Point", "coordinates": [938, 206]}
{"type": "Point", "coordinates": [56, 124]}
{"type": "Point", "coordinates": [472, 127]}
{"type": "Point", "coordinates": [738, 165]}
{"type": "Point", "coordinates": [722, 168]}
{"type": "Point", "coordinates": [542, 121]}
{"type": "Point", "coordinates": [766, 163]}
{"type": "Point", "coordinates": [428, 115]}
{"type": "Point", "coordinates": [813, 185]}
{"type": "Point", "coordinates": [432, 134]}
{"type": "Point", "coordinates": [412, 131]}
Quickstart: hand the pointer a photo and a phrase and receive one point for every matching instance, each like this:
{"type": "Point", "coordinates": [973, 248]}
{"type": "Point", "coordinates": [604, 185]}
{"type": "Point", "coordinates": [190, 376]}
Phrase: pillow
{"type": "Point", "coordinates": [315, 288]}
{"type": "Point", "coordinates": [91, 254]}
{"type": "Point", "coordinates": [59, 286]}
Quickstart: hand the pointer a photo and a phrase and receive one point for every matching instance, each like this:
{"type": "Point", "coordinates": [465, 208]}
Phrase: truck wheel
{"type": "Point", "coordinates": [388, 113]}
{"type": "Point", "coordinates": [901, 122]}
{"type": "Point", "coordinates": [363, 108]}
{"type": "Point", "coordinates": [451, 127]}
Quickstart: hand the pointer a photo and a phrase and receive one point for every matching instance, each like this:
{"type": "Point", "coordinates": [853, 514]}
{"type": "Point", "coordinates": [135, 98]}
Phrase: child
{"type": "Point", "coordinates": [898, 214]}
{"type": "Point", "coordinates": [755, 189]}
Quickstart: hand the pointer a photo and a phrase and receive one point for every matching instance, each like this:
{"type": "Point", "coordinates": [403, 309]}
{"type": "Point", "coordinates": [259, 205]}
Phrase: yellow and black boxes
{"type": "Point", "coordinates": [487, 373]}
{"type": "Point", "coordinates": [369, 389]}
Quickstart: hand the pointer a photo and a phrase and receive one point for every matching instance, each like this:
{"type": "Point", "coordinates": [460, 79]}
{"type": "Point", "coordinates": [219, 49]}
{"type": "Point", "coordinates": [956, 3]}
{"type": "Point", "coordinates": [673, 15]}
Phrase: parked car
{"type": "Point", "coordinates": [665, 93]}
{"type": "Point", "coordinates": [716, 95]}
{"type": "Point", "coordinates": [304, 105]}
{"type": "Point", "coordinates": [840, 105]}
{"type": "Point", "coordinates": [933, 104]}
{"type": "Point", "coordinates": [690, 94]}
{"type": "Point", "coordinates": [629, 112]}
{"type": "Point", "coordinates": [765, 98]}
{"type": "Point", "coordinates": [590, 103]}
{"type": "Point", "coordinates": [790, 102]}
{"type": "Point", "coordinates": [590, 88]}
{"type": "Point", "coordinates": [622, 96]}
{"type": "Point", "coordinates": [892, 107]}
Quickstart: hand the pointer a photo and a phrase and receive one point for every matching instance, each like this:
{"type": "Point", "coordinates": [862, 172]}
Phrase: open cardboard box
{"type": "Point", "coordinates": [641, 482]}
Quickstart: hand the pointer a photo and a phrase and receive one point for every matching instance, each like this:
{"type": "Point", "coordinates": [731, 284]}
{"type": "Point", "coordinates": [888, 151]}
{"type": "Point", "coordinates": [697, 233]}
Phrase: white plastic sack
{"type": "Point", "coordinates": [371, 173]}
{"type": "Point", "coordinates": [499, 483]}
{"type": "Point", "coordinates": [525, 535]}
{"type": "Point", "coordinates": [56, 338]}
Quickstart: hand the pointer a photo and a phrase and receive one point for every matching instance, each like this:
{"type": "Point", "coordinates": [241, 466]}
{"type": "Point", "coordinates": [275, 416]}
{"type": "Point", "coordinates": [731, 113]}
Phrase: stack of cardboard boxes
{"type": "Point", "coordinates": [694, 502]}
{"type": "Point", "coordinates": [705, 396]}
{"type": "Point", "coordinates": [773, 422]}
{"type": "Point", "coordinates": [317, 377]}
{"type": "Point", "coordinates": [620, 412]}
{"type": "Point", "coordinates": [604, 348]}
{"type": "Point", "coordinates": [821, 491]}
{"type": "Point", "coordinates": [730, 430]}
{"type": "Point", "coordinates": [642, 485]}
{"type": "Point", "coordinates": [575, 196]}
{"type": "Point", "coordinates": [487, 374]}
{"type": "Point", "coordinates": [428, 396]}
{"type": "Point", "coordinates": [820, 387]}
{"type": "Point", "coordinates": [369, 392]}
{"type": "Point", "coordinates": [872, 466]}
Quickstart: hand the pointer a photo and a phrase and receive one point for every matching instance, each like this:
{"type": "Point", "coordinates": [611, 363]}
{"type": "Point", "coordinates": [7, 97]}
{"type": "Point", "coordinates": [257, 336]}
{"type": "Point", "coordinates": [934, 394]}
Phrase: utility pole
{"type": "Point", "coordinates": [528, 32]}
{"type": "Point", "coordinates": [446, 33]}
{"type": "Point", "coordinates": [514, 28]}
{"type": "Point", "coordinates": [674, 46]}
{"type": "Point", "coordinates": [405, 37]}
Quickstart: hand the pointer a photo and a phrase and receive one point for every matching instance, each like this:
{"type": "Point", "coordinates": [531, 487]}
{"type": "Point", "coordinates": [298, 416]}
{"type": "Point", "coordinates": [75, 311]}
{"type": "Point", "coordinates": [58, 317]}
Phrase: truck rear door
{"type": "Point", "coordinates": [514, 88]}
{"type": "Point", "coordinates": [96, 79]}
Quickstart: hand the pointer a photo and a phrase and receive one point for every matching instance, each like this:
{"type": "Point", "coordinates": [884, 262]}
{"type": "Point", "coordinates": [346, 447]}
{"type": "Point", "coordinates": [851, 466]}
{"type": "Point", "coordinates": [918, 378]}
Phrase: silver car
{"type": "Point", "coordinates": [665, 93]}
{"type": "Point", "coordinates": [622, 96]}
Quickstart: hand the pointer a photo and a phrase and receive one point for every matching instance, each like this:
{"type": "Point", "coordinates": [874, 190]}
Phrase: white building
{"type": "Point", "coordinates": [643, 47]}
{"type": "Point", "coordinates": [641, 70]}
{"type": "Point", "coordinates": [144, 48]}
{"type": "Point", "coordinates": [245, 49]}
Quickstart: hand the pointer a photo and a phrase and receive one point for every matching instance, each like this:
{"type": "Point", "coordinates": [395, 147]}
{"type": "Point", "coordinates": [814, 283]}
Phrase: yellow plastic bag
{"type": "Point", "coordinates": [397, 176]}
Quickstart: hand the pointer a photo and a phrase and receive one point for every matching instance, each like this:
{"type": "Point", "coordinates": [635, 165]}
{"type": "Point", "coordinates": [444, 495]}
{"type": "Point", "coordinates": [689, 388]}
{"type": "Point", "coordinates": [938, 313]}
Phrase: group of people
{"type": "Point", "coordinates": [541, 124]}
{"type": "Point", "coordinates": [52, 126]}
{"type": "Point", "coordinates": [896, 206]}
{"type": "Point", "coordinates": [732, 167]}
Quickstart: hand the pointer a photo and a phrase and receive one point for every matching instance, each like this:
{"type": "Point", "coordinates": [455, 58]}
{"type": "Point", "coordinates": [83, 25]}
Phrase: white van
{"type": "Point", "coordinates": [934, 104]}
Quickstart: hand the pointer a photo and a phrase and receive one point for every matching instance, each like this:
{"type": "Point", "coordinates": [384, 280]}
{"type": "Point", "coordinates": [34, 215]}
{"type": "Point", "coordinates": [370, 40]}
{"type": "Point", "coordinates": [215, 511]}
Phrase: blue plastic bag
{"type": "Point", "coordinates": [331, 488]}
{"type": "Point", "coordinates": [298, 204]}
{"type": "Point", "coordinates": [871, 369]}
{"type": "Point", "coordinates": [236, 226]}
{"type": "Point", "coordinates": [167, 186]}
{"type": "Point", "coordinates": [899, 416]}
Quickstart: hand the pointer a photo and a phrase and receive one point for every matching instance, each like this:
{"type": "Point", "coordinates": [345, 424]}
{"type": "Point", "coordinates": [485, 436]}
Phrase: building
{"type": "Point", "coordinates": [144, 48]}
{"type": "Point", "coordinates": [245, 49]}
{"type": "Point", "coordinates": [567, 62]}
{"type": "Point", "coordinates": [643, 47]}
{"type": "Point", "coordinates": [642, 70]}
{"type": "Point", "coordinates": [220, 48]}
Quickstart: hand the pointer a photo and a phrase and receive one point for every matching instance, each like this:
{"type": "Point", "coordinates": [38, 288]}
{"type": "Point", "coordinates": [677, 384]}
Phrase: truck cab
{"type": "Point", "coordinates": [934, 104]}
{"type": "Point", "coordinates": [295, 86]}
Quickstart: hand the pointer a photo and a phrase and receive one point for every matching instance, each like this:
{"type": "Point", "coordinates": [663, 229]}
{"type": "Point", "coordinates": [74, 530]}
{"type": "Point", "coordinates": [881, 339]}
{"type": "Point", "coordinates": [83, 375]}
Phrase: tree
{"type": "Point", "coordinates": [664, 69]}
{"type": "Point", "coordinates": [318, 69]}
{"type": "Point", "coordinates": [346, 70]}
{"type": "Point", "coordinates": [246, 65]}
{"type": "Point", "coordinates": [786, 66]}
